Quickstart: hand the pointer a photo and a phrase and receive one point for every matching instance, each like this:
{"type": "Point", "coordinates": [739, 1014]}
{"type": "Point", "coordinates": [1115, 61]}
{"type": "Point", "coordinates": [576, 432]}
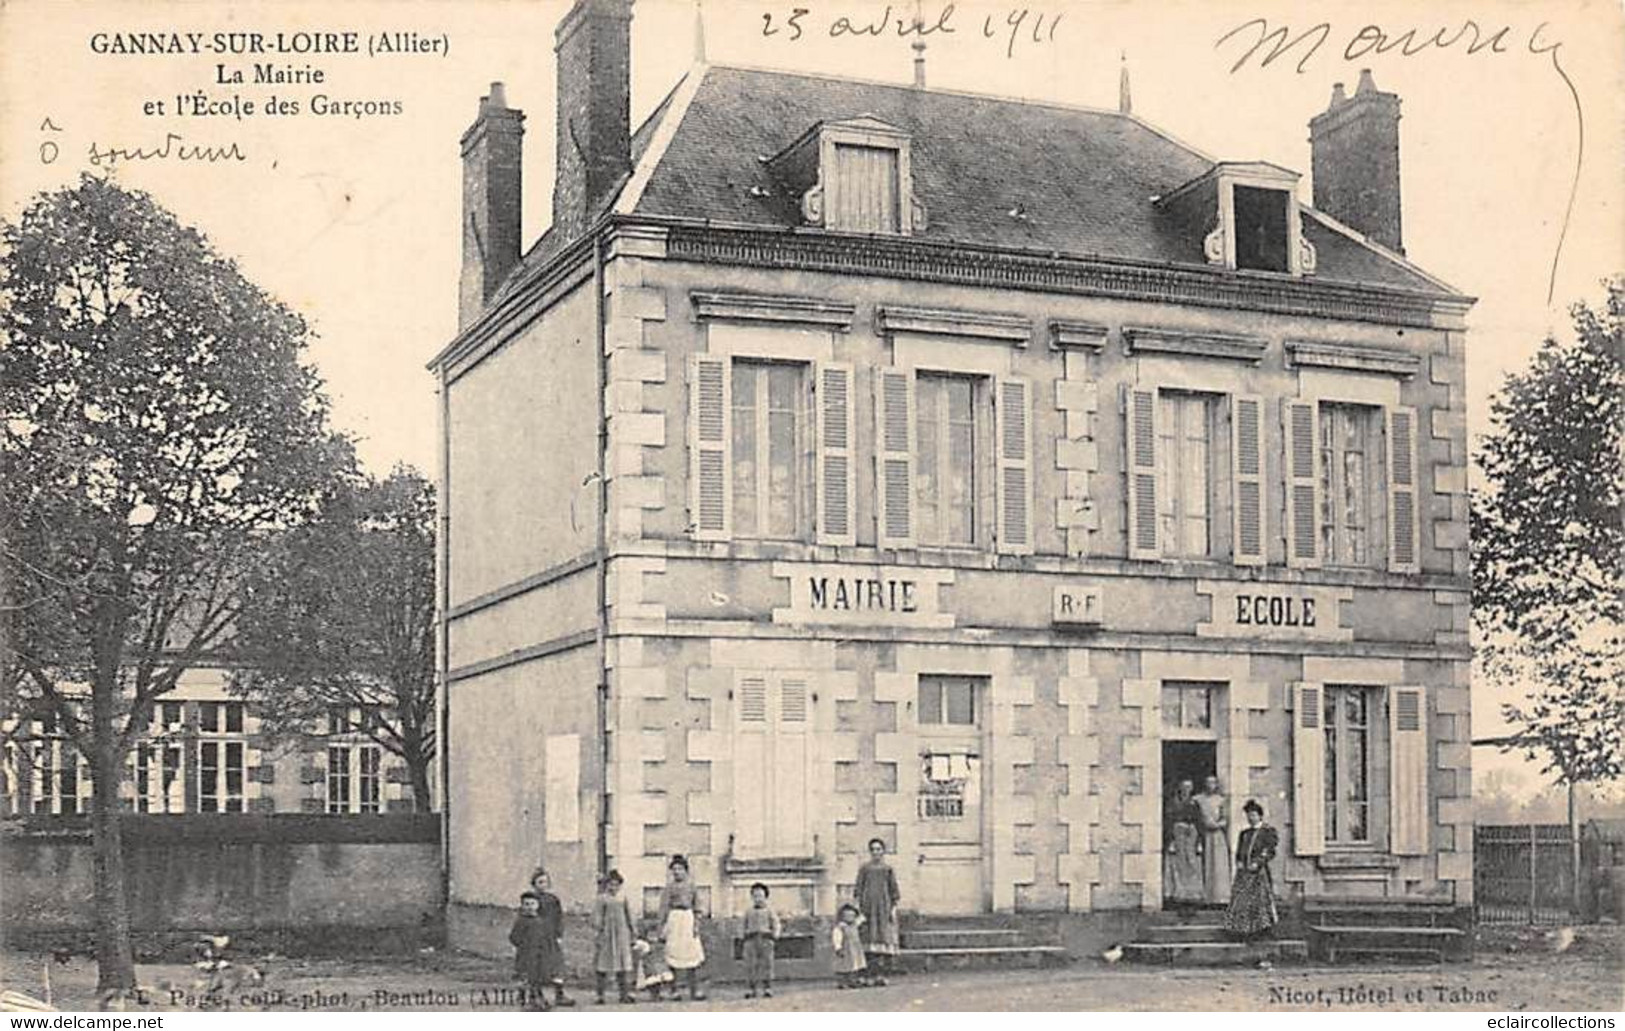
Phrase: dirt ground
{"type": "Point", "coordinates": [1514, 969]}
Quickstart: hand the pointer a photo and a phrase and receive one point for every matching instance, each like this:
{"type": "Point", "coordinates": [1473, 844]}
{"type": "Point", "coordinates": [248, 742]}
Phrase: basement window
{"type": "Point", "coordinates": [1262, 240]}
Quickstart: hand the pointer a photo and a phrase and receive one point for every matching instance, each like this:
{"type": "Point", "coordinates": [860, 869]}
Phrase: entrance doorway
{"type": "Point", "coordinates": [1193, 761]}
{"type": "Point", "coordinates": [949, 807]}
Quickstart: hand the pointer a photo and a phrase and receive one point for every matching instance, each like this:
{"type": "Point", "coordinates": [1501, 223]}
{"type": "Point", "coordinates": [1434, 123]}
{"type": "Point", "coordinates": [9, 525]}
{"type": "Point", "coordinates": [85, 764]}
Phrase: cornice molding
{"type": "Point", "coordinates": [1048, 273]}
{"type": "Point", "coordinates": [772, 308]}
{"type": "Point", "coordinates": [1070, 335]}
{"type": "Point", "coordinates": [1352, 358]}
{"type": "Point", "coordinates": [1015, 329]}
{"type": "Point", "coordinates": [1190, 344]}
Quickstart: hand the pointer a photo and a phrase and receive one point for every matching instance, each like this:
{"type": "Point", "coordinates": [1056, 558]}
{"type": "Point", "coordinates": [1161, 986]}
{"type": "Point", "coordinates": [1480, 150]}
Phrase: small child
{"type": "Point", "coordinates": [551, 913]}
{"type": "Point", "coordinates": [761, 929]}
{"type": "Point", "coordinates": [652, 975]}
{"type": "Point", "coordinates": [849, 961]}
{"type": "Point", "coordinates": [613, 937]}
{"type": "Point", "coordinates": [529, 940]}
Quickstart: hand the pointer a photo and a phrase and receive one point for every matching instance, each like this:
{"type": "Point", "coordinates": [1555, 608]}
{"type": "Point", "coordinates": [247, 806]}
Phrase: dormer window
{"type": "Point", "coordinates": [1261, 228]}
{"type": "Point", "coordinates": [1244, 216]}
{"type": "Point", "coordinates": [853, 176]}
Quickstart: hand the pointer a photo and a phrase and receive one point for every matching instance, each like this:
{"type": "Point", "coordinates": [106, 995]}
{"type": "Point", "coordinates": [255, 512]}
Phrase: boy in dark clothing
{"type": "Point", "coordinates": [530, 947]}
{"type": "Point", "coordinates": [761, 929]}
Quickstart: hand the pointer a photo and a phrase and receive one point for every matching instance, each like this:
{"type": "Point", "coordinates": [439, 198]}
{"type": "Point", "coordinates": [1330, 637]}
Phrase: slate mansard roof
{"type": "Point", "coordinates": [1085, 181]}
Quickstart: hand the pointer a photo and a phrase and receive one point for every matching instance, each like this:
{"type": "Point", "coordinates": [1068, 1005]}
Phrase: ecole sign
{"type": "Point", "coordinates": [1274, 612]}
{"type": "Point", "coordinates": [853, 595]}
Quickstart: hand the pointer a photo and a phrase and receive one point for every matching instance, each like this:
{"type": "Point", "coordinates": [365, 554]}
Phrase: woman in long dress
{"type": "Point", "coordinates": [680, 927]}
{"type": "Point", "coordinates": [877, 897]}
{"type": "Point", "coordinates": [1215, 828]}
{"type": "Point", "coordinates": [1252, 895]}
{"type": "Point", "coordinates": [1181, 859]}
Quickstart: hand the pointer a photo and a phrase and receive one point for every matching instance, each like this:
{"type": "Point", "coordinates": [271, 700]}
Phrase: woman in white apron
{"type": "Point", "coordinates": [680, 927]}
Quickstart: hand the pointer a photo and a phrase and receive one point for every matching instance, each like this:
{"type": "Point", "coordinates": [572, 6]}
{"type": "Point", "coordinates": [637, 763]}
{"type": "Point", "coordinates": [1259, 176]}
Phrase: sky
{"type": "Point", "coordinates": [1510, 155]}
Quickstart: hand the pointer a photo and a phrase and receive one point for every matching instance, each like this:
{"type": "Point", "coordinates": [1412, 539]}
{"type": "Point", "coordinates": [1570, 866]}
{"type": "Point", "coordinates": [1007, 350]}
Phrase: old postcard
{"type": "Point", "coordinates": [993, 505]}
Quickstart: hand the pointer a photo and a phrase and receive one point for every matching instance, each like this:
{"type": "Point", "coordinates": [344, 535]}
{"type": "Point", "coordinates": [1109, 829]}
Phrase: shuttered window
{"type": "Point", "coordinates": [864, 192]}
{"type": "Point", "coordinates": [1403, 516]}
{"type": "Point", "coordinates": [946, 484]}
{"type": "Point", "coordinates": [1308, 770]}
{"type": "Point", "coordinates": [894, 457]}
{"type": "Point", "coordinates": [1350, 474]}
{"type": "Point", "coordinates": [1014, 499]}
{"type": "Point", "coordinates": [773, 716]}
{"type": "Point", "coordinates": [1409, 768]}
{"type": "Point", "coordinates": [1346, 723]}
{"type": "Point", "coordinates": [1140, 441]}
{"type": "Point", "coordinates": [1248, 507]}
{"type": "Point", "coordinates": [1187, 460]}
{"type": "Point", "coordinates": [1302, 469]}
{"type": "Point", "coordinates": [833, 463]}
{"type": "Point", "coordinates": [767, 421]}
{"type": "Point", "coordinates": [709, 447]}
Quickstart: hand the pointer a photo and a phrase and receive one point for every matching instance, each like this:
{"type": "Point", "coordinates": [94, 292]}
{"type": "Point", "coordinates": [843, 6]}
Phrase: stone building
{"type": "Point", "coordinates": [855, 460]}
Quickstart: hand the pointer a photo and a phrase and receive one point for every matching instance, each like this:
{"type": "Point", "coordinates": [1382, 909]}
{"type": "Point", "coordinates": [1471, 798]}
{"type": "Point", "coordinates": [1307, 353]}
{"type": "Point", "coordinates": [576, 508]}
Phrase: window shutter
{"type": "Point", "coordinates": [1308, 769]}
{"type": "Point", "coordinates": [790, 774]}
{"type": "Point", "coordinates": [1247, 435]}
{"type": "Point", "coordinates": [894, 456]}
{"type": "Point", "coordinates": [1014, 501]}
{"type": "Point", "coordinates": [709, 440]}
{"type": "Point", "coordinates": [1403, 554]}
{"type": "Point", "coordinates": [1302, 484]}
{"type": "Point", "coordinates": [752, 763]}
{"type": "Point", "coordinates": [1408, 766]}
{"type": "Point", "coordinates": [834, 457]}
{"type": "Point", "coordinates": [1140, 435]}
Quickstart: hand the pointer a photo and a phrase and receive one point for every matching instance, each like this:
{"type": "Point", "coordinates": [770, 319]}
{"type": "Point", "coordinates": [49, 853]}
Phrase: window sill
{"type": "Point", "coordinates": [738, 866]}
{"type": "Point", "coordinates": [1356, 859]}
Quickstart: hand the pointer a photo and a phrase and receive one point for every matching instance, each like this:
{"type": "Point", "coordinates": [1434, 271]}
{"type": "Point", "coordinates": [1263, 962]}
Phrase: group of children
{"type": "Point", "coordinates": [538, 940]}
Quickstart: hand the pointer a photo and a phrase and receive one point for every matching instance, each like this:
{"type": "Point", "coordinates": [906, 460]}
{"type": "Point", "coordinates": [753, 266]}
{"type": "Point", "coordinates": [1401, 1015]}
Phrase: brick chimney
{"type": "Point", "coordinates": [593, 45]}
{"type": "Point", "coordinates": [1354, 155]}
{"type": "Point", "coordinates": [491, 201]}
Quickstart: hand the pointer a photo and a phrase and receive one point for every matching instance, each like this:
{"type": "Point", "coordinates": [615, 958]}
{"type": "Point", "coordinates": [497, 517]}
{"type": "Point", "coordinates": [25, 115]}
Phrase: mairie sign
{"type": "Point", "coordinates": [1275, 612]}
{"type": "Point", "coordinates": [862, 595]}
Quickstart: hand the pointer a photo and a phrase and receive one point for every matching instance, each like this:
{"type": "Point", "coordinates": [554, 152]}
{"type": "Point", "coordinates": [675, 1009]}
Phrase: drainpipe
{"type": "Point", "coordinates": [601, 629]}
{"type": "Point", "coordinates": [442, 703]}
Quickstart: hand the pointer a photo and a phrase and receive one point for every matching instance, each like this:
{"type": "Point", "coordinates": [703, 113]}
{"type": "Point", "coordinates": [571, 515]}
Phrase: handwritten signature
{"type": "Point", "coordinates": [1373, 39]}
{"type": "Point", "coordinates": [172, 148]}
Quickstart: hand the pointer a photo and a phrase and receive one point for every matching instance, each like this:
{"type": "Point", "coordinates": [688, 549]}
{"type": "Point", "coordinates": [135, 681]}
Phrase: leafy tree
{"type": "Point", "coordinates": [157, 416]}
{"type": "Point", "coordinates": [1548, 547]}
{"type": "Point", "coordinates": [341, 617]}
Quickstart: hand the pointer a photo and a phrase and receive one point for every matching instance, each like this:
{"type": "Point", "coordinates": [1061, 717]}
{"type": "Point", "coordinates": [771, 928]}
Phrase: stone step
{"type": "Point", "coordinates": [1386, 954]}
{"type": "Point", "coordinates": [1217, 954]}
{"type": "Point", "coordinates": [982, 957]}
{"type": "Point", "coordinates": [1434, 944]}
{"type": "Point", "coordinates": [1169, 933]}
{"type": "Point", "coordinates": [962, 937]}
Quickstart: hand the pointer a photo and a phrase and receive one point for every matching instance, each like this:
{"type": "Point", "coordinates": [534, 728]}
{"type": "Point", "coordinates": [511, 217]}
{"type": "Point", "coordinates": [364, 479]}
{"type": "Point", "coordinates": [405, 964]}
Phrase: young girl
{"type": "Point", "coordinates": [551, 912]}
{"type": "Point", "coordinates": [679, 927]}
{"type": "Point", "coordinates": [529, 941]}
{"type": "Point", "coordinates": [849, 962]}
{"type": "Point", "coordinates": [613, 937]}
{"type": "Point", "coordinates": [876, 896]}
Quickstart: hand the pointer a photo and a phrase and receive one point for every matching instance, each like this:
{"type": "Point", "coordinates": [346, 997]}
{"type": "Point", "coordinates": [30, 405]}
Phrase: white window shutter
{"type": "Point", "coordinates": [834, 476]}
{"type": "Point", "coordinates": [1014, 497]}
{"type": "Point", "coordinates": [791, 751]}
{"type": "Point", "coordinates": [710, 441]}
{"type": "Point", "coordinates": [752, 763]}
{"type": "Point", "coordinates": [1403, 513]}
{"type": "Point", "coordinates": [1302, 473]}
{"type": "Point", "coordinates": [1308, 769]}
{"type": "Point", "coordinates": [1247, 465]}
{"type": "Point", "coordinates": [1140, 436]}
{"type": "Point", "coordinates": [894, 457]}
{"type": "Point", "coordinates": [1408, 769]}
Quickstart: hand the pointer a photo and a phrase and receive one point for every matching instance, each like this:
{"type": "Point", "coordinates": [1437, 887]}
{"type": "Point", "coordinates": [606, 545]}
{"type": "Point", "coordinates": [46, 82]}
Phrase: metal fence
{"type": "Point", "coordinates": [1524, 874]}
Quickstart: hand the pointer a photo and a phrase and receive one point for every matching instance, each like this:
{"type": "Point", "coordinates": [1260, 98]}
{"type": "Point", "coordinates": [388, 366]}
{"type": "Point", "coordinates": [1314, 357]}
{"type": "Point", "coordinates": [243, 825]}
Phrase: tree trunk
{"type": "Point", "coordinates": [418, 767]}
{"type": "Point", "coordinates": [115, 964]}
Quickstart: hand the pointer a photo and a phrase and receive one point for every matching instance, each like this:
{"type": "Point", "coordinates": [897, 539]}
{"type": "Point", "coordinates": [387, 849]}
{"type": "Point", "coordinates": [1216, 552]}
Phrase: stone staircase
{"type": "Point", "coordinates": [978, 942]}
{"type": "Point", "coordinates": [1385, 929]}
{"type": "Point", "coordinates": [1196, 938]}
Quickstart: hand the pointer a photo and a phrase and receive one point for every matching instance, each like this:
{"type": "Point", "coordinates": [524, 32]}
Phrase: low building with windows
{"type": "Point", "coordinates": [205, 751]}
{"type": "Point", "coordinates": [855, 460]}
